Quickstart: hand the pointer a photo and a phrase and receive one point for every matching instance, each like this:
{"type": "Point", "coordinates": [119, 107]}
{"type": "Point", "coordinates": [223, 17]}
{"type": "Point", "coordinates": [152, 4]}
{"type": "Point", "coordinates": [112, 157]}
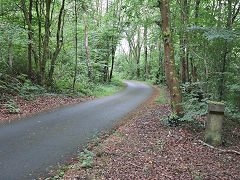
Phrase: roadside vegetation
{"type": "Point", "coordinates": [21, 98]}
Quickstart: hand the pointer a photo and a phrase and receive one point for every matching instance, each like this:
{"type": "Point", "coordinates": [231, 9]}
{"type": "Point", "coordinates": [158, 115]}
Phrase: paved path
{"type": "Point", "coordinates": [28, 147]}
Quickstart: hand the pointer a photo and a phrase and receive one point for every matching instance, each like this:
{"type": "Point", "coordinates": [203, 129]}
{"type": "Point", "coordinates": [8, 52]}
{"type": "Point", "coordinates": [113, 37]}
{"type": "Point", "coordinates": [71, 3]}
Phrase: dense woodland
{"type": "Point", "coordinates": [74, 45]}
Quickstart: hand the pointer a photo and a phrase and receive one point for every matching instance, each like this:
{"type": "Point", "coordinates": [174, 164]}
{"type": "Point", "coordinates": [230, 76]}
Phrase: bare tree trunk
{"type": "Point", "coordinates": [45, 42]}
{"type": "Point", "coordinates": [160, 62]}
{"type": "Point", "coordinates": [193, 71]}
{"type": "Point", "coordinates": [113, 57]}
{"type": "Point", "coordinates": [138, 51]}
{"type": "Point", "coordinates": [193, 67]}
{"type": "Point", "coordinates": [146, 51]}
{"type": "Point", "coordinates": [59, 42]}
{"type": "Point", "coordinates": [76, 44]}
{"type": "Point", "coordinates": [10, 53]}
{"type": "Point", "coordinates": [90, 69]}
{"type": "Point", "coordinates": [106, 69]}
{"type": "Point", "coordinates": [172, 81]}
{"type": "Point", "coordinates": [30, 44]}
{"type": "Point", "coordinates": [39, 16]}
{"type": "Point", "coordinates": [184, 62]}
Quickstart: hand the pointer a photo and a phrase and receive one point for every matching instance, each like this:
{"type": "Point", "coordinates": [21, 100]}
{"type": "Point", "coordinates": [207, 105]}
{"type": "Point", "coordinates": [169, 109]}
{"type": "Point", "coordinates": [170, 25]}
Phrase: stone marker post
{"type": "Point", "coordinates": [214, 123]}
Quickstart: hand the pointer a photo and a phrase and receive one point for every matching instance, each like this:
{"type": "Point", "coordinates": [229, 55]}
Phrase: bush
{"type": "Point", "coordinates": [195, 105]}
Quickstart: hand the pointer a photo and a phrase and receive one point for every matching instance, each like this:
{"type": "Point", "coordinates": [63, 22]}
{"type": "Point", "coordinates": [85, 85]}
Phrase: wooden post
{"type": "Point", "coordinates": [214, 123]}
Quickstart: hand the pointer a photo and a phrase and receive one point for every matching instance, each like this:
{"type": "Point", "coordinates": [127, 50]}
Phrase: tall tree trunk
{"type": "Point", "coordinates": [138, 51]}
{"type": "Point", "coordinates": [232, 14]}
{"type": "Point", "coordinates": [187, 65]}
{"type": "Point", "coordinates": [106, 69]}
{"type": "Point", "coordinates": [10, 53]}
{"type": "Point", "coordinates": [193, 67]}
{"type": "Point", "coordinates": [90, 69]}
{"type": "Point", "coordinates": [193, 71]}
{"type": "Point", "coordinates": [30, 44]}
{"type": "Point", "coordinates": [45, 42]}
{"type": "Point", "coordinates": [113, 57]}
{"type": "Point", "coordinates": [146, 51]}
{"type": "Point", "coordinates": [98, 13]}
{"type": "Point", "coordinates": [28, 19]}
{"type": "Point", "coordinates": [160, 72]}
{"type": "Point", "coordinates": [184, 65]}
{"type": "Point", "coordinates": [59, 42]}
{"type": "Point", "coordinates": [172, 81]}
{"type": "Point", "coordinates": [39, 17]}
{"type": "Point", "coordinates": [76, 44]}
{"type": "Point", "coordinates": [182, 60]}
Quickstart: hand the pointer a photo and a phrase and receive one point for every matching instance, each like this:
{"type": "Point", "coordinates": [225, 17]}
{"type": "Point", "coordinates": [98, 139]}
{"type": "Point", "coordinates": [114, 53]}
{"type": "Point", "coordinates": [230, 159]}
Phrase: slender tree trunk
{"type": "Point", "coordinates": [172, 81]}
{"type": "Point", "coordinates": [39, 16]}
{"type": "Point", "coordinates": [193, 67]}
{"type": "Point", "coordinates": [146, 51]}
{"type": "Point", "coordinates": [227, 49]}
{"type": "Point", "coordinates": [10, 53]}
{"type": "Point", "coordinates": [182, 60]}
{"type": "Point", "coordinates": [106, 69]}
{"type": "Point", "coordinates": [90, 69]}
{"type": "Point", "coordinates": [138, 51]}
{"type": "Point", "coordinates": [187, 66]}
{"type": "Point", "coordinates": [98, 13]}
{"type": "Point", "coordinates": [160, 63]}
{"type": "Point", "coordinates": [193, 71]}
{"type": "Point", "coordinates": [30, 44]}
{"type": "Point", "coordinates": [113, 57]}
{"type": "Point", "coordinates": [76, 44]}
{"type": "Point", "coordinates": [59, 42]}
{"type": "Point", "coordinates": [184, 65]}
{"type": "Point", "coordinates": [46, 42]}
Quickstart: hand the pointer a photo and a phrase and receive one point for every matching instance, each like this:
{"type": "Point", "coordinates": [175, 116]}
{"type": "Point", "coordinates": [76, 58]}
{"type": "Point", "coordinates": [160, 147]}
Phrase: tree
{"type": "Point", "coordinates": [173, 85]}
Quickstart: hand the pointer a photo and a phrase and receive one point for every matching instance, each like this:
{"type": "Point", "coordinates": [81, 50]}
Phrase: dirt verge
{"type": "Point", "coordinates": [144, 148]}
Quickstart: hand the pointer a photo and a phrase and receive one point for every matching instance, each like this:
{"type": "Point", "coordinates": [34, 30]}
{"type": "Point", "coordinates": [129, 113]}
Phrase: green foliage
{"type": "Point", "coordinates": [171, 120]}
{"type": "Point", "coordinates": [211, 33]}
{"type": "Point", "coordinates": [162, 99]}
{"type": "Point", "coordinates": [11, 107]}
{"type": "Point", "coordinates": [18, 86]}
{"type": "Point", "coordinates": [195, 105]}
{"type": "Point", "coordinates": [234, 95]}
{"type": "Point", "coordinates": [232, 111]}
{"type": "Point", "coordinates": [86, 159]}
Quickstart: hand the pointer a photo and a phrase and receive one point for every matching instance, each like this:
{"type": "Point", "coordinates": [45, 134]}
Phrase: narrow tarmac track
{"type": "Point", "coordinates": [28, 147]}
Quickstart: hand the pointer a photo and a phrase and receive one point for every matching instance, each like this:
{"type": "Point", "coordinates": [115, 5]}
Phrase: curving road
{"type": "Point", "coordinates": [28, 147]}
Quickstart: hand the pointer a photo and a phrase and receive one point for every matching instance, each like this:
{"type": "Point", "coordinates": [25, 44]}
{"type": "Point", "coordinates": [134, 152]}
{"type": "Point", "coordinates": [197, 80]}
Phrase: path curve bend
{"type": "Point", "coordinates": [29, 146]}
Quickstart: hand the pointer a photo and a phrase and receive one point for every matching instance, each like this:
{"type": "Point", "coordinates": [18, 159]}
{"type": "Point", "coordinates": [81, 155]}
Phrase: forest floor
{"type": "Point", "coordinates": [21, 107]}
{"type": "Point", "coordinates": [144, 148]}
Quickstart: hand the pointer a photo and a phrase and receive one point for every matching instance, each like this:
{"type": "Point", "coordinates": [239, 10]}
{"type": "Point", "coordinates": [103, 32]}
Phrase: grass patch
{"type": "Point", "coordinates": [107, 89]}
{"type": "Point", "coordinates": [162, 98]}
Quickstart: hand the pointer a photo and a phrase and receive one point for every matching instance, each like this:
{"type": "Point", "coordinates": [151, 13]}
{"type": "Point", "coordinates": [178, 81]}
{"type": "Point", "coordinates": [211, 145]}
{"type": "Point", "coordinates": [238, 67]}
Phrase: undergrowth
{"type": "Point", "coordinates": [106, 89]}
{"type": "Point", "coordinates": [11, 86]}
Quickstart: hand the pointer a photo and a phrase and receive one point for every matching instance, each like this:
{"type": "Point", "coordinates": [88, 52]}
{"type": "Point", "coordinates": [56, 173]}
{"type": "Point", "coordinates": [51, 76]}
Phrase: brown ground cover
{"type": "Point", "coordinates": [144, 148]}
{"type": "Point", "coordinates": [39, 104]}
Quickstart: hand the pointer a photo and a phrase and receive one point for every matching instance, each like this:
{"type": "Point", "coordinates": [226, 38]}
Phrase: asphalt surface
{"type": "Point", "coordinates": [31, 146]}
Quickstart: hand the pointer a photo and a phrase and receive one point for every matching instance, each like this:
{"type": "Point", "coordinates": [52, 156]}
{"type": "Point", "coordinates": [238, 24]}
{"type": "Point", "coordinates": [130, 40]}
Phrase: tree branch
{"type": "Point", "coordinates": [220, 150]}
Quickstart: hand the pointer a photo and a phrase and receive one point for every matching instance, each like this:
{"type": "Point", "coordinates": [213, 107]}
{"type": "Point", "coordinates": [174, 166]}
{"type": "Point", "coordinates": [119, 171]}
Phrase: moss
{"type": "Point", "coordinates": [214, 102]}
